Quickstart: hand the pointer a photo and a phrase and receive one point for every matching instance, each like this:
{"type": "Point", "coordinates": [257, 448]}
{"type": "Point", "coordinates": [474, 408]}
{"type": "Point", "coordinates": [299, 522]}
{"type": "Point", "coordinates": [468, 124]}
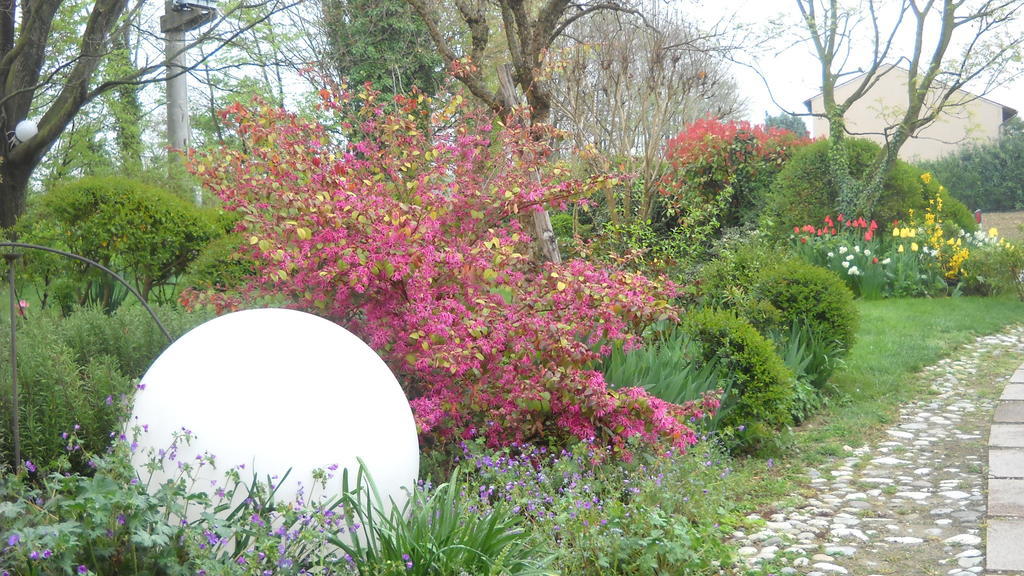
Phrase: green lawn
{"type": "Point", "coordinates": [896, 338]}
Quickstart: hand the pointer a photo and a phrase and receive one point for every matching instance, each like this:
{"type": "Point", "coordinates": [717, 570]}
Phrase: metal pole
{"type": "Point", "coordinates": [15, 425]}
{"type": "Point", "coordinates": [177, 101]}
{"type": "Point", "coordinates": [96, 265]}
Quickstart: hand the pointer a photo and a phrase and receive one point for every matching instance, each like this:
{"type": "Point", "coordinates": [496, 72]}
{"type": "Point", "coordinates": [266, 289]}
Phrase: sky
{"type": "Point", "coordinates": [793, 73]}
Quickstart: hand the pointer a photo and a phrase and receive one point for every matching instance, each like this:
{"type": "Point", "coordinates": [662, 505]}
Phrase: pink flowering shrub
{"type": "Point", "coordinates": [413, 241]}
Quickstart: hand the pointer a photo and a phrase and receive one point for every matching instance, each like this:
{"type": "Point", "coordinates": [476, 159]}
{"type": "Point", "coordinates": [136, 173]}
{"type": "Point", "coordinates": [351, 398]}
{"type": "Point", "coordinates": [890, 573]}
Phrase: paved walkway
{"type": "Point", "coordinates": [1005, 522]}
{"type": "Point", "coordinates": [918, 501]}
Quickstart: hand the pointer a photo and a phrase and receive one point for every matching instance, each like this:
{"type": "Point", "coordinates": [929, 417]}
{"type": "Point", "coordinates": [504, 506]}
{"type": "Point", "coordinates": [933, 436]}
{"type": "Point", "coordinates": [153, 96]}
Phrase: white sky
{"type": "Point", "coordinates": [793, 74]}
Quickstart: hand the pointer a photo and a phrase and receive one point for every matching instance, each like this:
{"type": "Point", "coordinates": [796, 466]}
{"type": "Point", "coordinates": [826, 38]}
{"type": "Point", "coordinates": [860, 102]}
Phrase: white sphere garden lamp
{"type": "Point", "coordinates": [24, 131]}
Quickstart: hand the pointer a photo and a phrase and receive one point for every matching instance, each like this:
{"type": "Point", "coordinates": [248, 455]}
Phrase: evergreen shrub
{"type": "Point", "coordinates": [762, 387]}
{"type": "Point", "coordinates": [79, 371]}
{"type": "Point", "coordinates": [812, 295]}
{"type": "Point", "coordinates": [138, 230]}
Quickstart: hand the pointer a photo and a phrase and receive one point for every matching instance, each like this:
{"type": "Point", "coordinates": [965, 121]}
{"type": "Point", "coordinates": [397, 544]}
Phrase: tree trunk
{"type": "Point", "coordinates": [546, 247]}
{"type": "Point", "coordinates": [14, 179]}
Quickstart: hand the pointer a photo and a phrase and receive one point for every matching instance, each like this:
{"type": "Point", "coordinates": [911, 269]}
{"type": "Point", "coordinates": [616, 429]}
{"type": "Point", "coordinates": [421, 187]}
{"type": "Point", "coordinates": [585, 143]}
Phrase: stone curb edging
{"type": "Point", "coordinates": [1005, 518]}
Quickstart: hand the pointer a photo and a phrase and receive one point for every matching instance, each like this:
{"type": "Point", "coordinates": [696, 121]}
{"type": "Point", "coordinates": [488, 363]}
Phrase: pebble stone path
{"type": "Point", "coordinates": [913, 503]}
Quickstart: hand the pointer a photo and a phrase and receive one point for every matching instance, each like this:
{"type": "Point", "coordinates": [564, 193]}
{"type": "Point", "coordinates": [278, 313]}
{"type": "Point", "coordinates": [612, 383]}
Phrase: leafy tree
{"type": "Point", "coordinates": [954, 43]}
{"type": "Point", "coordinates": [625, 84]}
{"type": "Point", "coordinates": [52, 58]}
{"type": "Point", "coordinates": [785, 121]}
{"type": "Point", "coordinates": [530, 28]}
{"type": "Point", "coordinates": [382, 42]}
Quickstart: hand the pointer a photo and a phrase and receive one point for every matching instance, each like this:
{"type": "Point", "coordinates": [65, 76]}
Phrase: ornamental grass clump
{"type": "Point", "coordinates": [413, 240]}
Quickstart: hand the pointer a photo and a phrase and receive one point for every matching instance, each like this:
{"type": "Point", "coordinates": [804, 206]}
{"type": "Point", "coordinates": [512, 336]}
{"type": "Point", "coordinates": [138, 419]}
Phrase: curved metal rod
{"type": "Point", "coordinates": [85, 260]}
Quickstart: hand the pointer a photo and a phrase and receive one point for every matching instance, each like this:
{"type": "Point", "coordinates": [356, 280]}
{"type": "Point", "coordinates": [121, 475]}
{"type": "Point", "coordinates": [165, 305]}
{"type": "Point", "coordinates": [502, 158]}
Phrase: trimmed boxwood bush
{"type": "Point", "coordinates": [804, 191]}
{"type": "Point", "coordinates": [806, 293]}
{"type": "Point", "coordinates": [762, 387]}
{"type": "Point", "coordinates": [141, 231]}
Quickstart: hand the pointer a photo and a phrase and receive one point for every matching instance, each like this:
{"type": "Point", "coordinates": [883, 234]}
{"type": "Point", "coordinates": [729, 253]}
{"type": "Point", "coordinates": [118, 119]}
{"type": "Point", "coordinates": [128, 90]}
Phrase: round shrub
{"type": "Point", "coordinates": [141, 231]}
{"type": "Point", "coordinates": [804, 192]}
{"type": "Point", "coordinates": [725, 281]}
{"type": "Point", "coordinates": [763, 390]}
{"type": "Point", "coordinates": [807, 293]}
{"type": "Point", "coordinates": [220, 266]}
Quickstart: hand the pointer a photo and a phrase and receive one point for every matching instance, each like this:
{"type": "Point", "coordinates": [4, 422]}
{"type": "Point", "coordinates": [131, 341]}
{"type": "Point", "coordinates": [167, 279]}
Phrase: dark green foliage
{"type": "Point", "coordinates": [762, 387]}
{"type": "Point", "coordinates": [805, 293]}
{"type": "Point", "coordinates": [725, 281]}
{"type": "Point", "coordinates": [786, 121]}
{"type": "Point", "coordinates": [140, 231]}
{"type": "Point", "coordinates": [432, 533]}
{"type": "Point", "coordinates": [804, 191]}
{"type": "Point", "coordinates": [382, 42]}
{"type": "Point", "coordinates": [671, 366]}
{"type": "Point", "coordinates": [988, 176]}
{"type": "Point", "coordinates": [220, 266]}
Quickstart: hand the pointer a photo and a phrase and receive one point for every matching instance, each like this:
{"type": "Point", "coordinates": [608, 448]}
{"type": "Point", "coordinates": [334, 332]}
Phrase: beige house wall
{"type": "Point", "coordinates": [973, 119]}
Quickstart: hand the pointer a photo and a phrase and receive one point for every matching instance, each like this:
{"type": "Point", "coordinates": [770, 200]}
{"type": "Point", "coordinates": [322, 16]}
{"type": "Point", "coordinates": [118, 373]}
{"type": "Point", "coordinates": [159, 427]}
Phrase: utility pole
{"type": "Point", "coordinates": [179, 17]}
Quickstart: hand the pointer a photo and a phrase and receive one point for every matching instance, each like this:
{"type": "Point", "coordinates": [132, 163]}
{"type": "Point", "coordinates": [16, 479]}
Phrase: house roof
{"type": "Point", "coordinates": [1007, 111]}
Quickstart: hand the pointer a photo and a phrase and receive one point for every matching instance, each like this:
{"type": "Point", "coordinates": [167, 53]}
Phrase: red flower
{"type": "Point", "coordinates": [869, 235]}
{"type": "Point", "coordinates": [874, 260]}
{"type": "Point", "coordinates": [796, 229]}
{"type": "Point", "coordinates": [803, 240]}
{"type": "Point", "coordinates": [840, 218]}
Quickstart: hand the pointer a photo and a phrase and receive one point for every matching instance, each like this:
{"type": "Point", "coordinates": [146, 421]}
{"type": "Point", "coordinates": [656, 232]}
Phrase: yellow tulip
{"type": "Point", "coordinates": [895, 232]}
{"type": "Point", "coordinates": [913, 246]}
{"type": "Point", "coordinates": [900, 249]}
{"type": "Point", "coordinates": [992, 232]}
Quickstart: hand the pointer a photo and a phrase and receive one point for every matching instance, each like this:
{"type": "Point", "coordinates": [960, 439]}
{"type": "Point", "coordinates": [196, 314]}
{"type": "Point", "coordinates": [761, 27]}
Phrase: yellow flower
{"type": "Point", "coordinates": [895, 232]}
{"type": "Point", "coordinates": [900, 249]}
{"type": "Point", "coordinates": [992, 232]}
{"type": "Point", "coordinates": [913, 246]}
{"type": "Point", "coordinates": [926, 178]}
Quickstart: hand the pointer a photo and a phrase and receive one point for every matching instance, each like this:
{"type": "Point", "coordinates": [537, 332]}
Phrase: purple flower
{"type": "Point", "coordinates": [33, 555]}
{"type": "Point", "coordinates": [30, 466]}
{"type": "Point", "coordinates": [82, 569]}
{"type": "Point", "coordinates": [13, 539]}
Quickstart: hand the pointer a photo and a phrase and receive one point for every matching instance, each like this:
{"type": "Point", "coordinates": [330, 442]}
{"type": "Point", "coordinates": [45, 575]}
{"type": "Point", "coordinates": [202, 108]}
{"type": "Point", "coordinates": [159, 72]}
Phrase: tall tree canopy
{"type": "Point", "coordinates": [530, 28]}
{"type": "Point", "coordinates": [52, 64]}
{"type": "Point", "coordinates": [382, 42]}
